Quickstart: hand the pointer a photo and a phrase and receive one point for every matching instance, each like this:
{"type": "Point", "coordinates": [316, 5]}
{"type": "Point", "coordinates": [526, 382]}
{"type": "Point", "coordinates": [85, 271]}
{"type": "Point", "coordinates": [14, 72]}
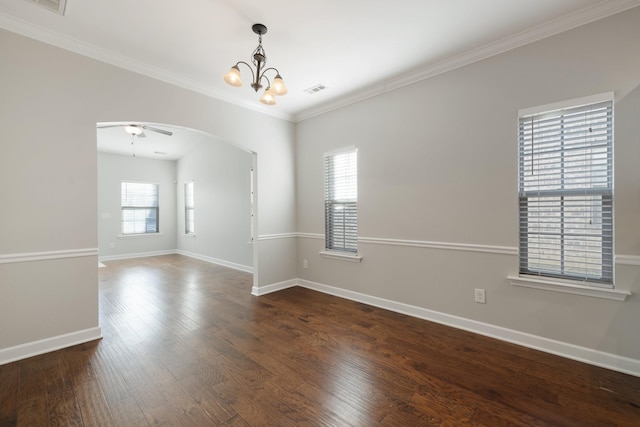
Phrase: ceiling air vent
{"type": "Point", "coordinates": [56, 6]}
{"type": "Point", "coordinates": [315, 89]}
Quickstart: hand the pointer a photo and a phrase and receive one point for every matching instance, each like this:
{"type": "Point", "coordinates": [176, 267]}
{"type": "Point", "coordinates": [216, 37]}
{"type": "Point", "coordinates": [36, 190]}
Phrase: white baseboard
{"type": "Point", "coordinates": [23, 351]}
{"type": "Point", "coordinates": [245, 268]}
{"type": "Point", "coordinates": [135, 255]}
{"type": "Point", "coordinates": [559, 348]}
{"type": "Point", "coordinates": [263, 290]}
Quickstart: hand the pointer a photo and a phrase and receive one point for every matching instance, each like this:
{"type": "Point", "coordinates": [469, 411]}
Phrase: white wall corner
{"type": "Point", "coordinates": [23, 351]}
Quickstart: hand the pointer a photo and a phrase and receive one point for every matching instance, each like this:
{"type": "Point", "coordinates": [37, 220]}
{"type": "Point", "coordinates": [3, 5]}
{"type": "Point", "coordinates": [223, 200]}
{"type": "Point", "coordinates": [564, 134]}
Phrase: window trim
{"type": "Point", "coordinates": [138, 235]}
{"type": "Point", "coordinates": [566, 284]}
{"type": "Point", "coordinates": [341, 255]}
{"type": "Point", "coordinates": [568, 287]}
{"type": "Point", "coordinates": [333, 252]}
{"type": "Point", "coordinates": [569, 103]}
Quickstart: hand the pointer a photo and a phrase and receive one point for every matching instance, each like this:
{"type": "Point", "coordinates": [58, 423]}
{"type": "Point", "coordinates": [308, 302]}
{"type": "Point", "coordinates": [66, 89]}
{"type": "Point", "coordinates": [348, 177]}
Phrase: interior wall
{"type": "Point", "coordinates": [113, 169]}
{"type": "Point", "coordinates": [221, 175]}
{"type": "Point", "coordinates": [437, 187]}
{"type": "Point", "coordinates": [49, 128]}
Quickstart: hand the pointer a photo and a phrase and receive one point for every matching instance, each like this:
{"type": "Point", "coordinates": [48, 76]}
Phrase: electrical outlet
{"type": "Point", "coordinates": [480, 296]}
{"type": "Point", "coordinates": [305, 264]}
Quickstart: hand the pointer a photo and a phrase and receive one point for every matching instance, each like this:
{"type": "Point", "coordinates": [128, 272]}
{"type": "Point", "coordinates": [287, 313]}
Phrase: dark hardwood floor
{"type": "Point", "coordinates": [185, 344]}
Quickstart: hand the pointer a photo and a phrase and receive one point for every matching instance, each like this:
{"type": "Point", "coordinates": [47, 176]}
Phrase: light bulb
{"type": "Point", "coordinates": [278, 87]}
{"type": "Point", "coordinates": [133, 130]}
{"type": "Point", "coordinates": [268, 98]}
{"type": "Point", "coordinates": [233, 76]}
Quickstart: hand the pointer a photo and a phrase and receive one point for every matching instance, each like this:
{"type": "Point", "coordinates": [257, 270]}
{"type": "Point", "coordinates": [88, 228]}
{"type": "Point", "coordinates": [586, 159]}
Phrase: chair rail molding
{"type": "Point", "coordinates": [49, 255]}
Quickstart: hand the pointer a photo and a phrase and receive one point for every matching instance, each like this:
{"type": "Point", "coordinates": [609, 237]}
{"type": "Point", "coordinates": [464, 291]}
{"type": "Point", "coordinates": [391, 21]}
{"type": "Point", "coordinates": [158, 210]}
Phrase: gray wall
{"type": "Point", "coordinates": [49, 153]}
{"type": "Point", "coordinates": [221, 176]}
{"type": "Point", "coordinates": [438, 163]}
{"type": "Point", "coordinates": [114, 169]}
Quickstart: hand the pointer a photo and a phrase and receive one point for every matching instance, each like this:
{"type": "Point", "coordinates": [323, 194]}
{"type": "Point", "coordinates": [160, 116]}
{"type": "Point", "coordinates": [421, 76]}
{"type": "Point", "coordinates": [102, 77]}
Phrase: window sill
{"type": "Point", "coordinates": [137, 236]}
{"type": "Point", "coordinates": [569, 288]}
{"type": "Point", "coordinates": [341, 256]}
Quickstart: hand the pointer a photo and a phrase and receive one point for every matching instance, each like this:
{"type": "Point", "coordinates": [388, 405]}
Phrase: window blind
{"type": "Point", "coordinates": [139, 207]}
{"type": "Point", "coordinates": [566, 193]}
{"type": "Point", "coordinates": [189, 223]}
{"type": "Point", "coordinates": [341, 201]}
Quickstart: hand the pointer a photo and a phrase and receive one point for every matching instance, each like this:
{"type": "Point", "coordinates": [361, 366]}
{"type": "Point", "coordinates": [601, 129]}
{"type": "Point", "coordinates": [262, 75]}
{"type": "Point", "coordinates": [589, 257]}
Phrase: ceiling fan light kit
{"type": "Point", "coordinates": [259, 59]}
{"type": "Point", "coordinates": [133, 130]}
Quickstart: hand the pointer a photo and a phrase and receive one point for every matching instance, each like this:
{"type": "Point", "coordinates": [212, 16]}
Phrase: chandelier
{"type": "Point", "coordinates": [259, 59]}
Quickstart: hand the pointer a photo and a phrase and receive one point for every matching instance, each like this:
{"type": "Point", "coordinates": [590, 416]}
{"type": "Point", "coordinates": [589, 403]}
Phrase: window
{"type": "Point", "coordinates": [189, 224]}
{"type": "Point", "coordinates": [139, 208]}
{"type": "Point", "coordinates": [341, 200]}
{"type": "Point", "coordinates": [566, 191]}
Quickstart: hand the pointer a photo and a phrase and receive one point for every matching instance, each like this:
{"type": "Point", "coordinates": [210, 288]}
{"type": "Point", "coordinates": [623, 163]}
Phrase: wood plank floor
{"type": "Point", "coordinates": [185, 344]}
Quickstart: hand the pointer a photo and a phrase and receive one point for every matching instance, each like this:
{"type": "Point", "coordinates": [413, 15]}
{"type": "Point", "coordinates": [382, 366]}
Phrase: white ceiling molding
{"type": "Point", "coordinates": [548, 29]}
{"type": "Point", "coordinates": [45, 35]}
{"type": "Point", "coordinates": [589, 14]}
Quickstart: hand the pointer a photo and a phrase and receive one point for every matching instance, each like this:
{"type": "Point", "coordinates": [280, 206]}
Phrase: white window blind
{"type": "Point", "coordinates": [341, 200]}
{"type": "Point", "coordinates": [566, 193]}
{"type": "Point", "coordinates": [189, 223]}
{"type": "Point", "coordinates": [139, 208]}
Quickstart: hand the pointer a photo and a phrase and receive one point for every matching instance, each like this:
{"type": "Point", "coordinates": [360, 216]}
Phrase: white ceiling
{"type": "Point", "coordinates": [356, 48]}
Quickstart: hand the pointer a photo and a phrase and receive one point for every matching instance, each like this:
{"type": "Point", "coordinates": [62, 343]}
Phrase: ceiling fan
{"type": "Point", "coordinates": [138, 130]}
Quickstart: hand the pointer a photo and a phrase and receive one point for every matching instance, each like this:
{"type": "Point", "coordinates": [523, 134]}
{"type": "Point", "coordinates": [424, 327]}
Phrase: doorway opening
{"type": "Point", "coordinates": [205, 200]}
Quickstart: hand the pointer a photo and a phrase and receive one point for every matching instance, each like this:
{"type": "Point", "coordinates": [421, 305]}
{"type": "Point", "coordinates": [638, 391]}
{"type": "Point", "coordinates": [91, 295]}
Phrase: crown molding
{"type": "Point", "coordinates": [53, 38]}
{"type": "Point", "coordinates": [556, 26]}
{"type": "Point", "coordinates": [584, 16]}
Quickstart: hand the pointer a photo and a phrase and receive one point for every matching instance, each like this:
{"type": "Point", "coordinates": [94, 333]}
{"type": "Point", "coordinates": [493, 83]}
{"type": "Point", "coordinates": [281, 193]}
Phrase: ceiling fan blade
{"type": "Point", "coordinates": [108, 126]}
{"type": "Point", "coordinates": [162, 131]}
{"type": "Point", "coordinates": [127, 127]}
